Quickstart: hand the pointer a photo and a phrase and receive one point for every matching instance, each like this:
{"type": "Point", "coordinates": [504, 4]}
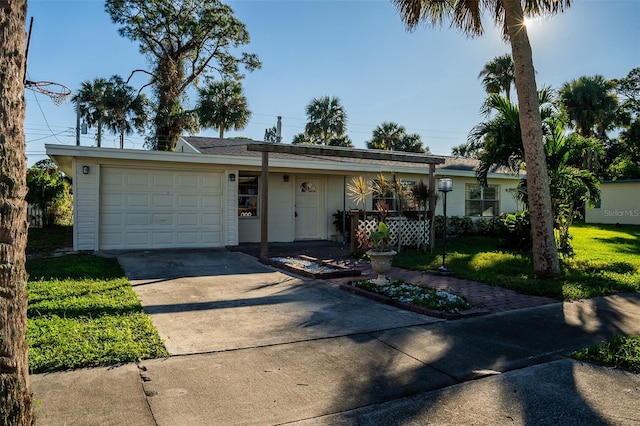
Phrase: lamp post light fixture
{"type": "Point", "coordinates": [445, 185]}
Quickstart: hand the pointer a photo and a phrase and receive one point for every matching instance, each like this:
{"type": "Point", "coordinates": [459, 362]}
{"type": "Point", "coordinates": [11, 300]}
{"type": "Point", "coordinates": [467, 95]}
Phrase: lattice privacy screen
{"type": "Point", "coordinates": [411, 232]}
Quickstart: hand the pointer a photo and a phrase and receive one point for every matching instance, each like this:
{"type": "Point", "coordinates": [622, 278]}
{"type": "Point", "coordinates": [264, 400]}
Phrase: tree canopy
{"type": "Point", "coordinates": [112, 104]}
{"type": "Point", "coordinates": [223, 106]}
{"type": "Point", "coordinates": [184, 41]}
{"type": "Point", "coordinates": [326, 123]}
{"type": "Point", "coordinates": [393, 137]}
{"type": "Point", "coordinates": [498, 75]}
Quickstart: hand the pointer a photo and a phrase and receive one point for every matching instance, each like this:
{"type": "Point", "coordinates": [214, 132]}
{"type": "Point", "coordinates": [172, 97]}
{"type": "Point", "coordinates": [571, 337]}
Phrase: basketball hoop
{"type": "Point", "coordinates": [56, 91]}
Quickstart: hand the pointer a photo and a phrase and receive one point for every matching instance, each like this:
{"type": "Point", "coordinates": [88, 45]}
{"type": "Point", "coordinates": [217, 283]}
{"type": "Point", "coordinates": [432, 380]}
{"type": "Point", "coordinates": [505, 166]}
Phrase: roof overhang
{"type": "Point", "coordinates": [63, 156]}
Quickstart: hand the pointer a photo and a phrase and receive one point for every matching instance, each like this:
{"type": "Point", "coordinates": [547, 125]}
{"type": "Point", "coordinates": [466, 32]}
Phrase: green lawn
{"type": "Point", "coordinates": [83, 313]}
{"type": "Point", "coordinates": [606, 261]}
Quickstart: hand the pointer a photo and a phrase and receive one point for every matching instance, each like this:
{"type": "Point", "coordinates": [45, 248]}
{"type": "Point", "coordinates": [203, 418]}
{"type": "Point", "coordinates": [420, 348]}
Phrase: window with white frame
{"type": "Point", "coordinates": [248, 195]}
{"type": "Point", "coordinates": [482, 201]}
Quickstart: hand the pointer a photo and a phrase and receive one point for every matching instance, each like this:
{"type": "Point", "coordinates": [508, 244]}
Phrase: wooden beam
{"type": "Point", "coordinates": [336, 151]}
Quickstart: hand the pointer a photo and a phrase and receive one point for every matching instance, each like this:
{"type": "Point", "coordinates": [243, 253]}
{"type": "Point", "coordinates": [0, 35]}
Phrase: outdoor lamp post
{"type": "Point", "coordinates": [444, 185]}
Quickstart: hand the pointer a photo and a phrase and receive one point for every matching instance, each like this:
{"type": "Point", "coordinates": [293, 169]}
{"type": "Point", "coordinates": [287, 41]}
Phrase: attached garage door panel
{"type": "Point", "coordinates": [160, 209]}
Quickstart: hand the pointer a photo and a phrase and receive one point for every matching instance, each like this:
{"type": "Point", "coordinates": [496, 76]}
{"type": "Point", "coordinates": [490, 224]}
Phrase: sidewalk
{"type": "Point", "coordinates": [504, 368]}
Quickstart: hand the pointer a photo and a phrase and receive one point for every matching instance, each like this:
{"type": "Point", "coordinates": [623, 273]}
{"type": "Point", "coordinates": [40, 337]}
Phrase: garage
{"type": "Point", "coordinates": [154, 208]}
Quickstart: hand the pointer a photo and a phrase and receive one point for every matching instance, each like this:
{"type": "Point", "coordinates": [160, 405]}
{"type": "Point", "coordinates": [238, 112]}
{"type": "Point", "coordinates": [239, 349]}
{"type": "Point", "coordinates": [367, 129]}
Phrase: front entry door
{"type": "Point", "coordinates": [308, 206]}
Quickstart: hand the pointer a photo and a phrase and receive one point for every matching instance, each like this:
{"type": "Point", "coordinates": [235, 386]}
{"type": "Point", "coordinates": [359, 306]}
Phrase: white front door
{"type": "Point", "coordinates": [308, 208]}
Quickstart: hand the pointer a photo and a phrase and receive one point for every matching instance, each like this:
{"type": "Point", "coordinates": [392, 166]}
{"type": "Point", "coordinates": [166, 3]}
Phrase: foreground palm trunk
{"type": "Point", "coordinates": [15, 394]}
{"type": "Point", "coordinates": [545, 253]}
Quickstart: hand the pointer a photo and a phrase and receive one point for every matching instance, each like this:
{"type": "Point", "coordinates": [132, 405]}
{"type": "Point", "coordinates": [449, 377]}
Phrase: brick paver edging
{"type": "Point", "coordinates": [413, 308]}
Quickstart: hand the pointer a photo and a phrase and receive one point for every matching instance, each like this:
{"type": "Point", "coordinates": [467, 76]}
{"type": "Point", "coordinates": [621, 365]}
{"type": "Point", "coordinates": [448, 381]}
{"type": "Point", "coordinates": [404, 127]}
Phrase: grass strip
{"type": "Point", "coordinates": [621, 352]}
{"type": "Point", "coordinates": [83, 313]}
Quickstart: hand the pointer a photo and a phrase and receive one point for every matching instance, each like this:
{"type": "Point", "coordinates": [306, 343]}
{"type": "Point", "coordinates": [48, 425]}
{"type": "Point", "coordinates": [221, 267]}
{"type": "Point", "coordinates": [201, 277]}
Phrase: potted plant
{"type": "Point", "coordinates": [380, 252]}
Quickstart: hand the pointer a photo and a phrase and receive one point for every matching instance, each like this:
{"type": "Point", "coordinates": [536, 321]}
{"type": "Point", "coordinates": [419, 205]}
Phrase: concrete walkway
{"type": "Point", "coordinates": [252, 345]}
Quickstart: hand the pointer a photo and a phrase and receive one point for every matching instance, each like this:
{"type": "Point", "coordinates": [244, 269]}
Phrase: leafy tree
{"type": "Point", "coordinates": [90, 104]}
{"type": "Point", "coordinates": [498, 75]}
{"type": "Point", "coordinates": [16, 408]}
{"type": "Point", "coordinates": [571, 185]}
{"type": "Point", "coordinates": [326, 123]}
{"type": "Point", "coordinates": [497, 142]}
{"type": "Point", "coordinates": [223, 106]}
{"type": "Point", "coordinates": [393, 137]}
{"type": "Point", "coordinates": [46, 187]}
{"type": "Point", "coordinates": [184, 40]}
{"type": "Point", "coordinates": [467, 17]}
{"type": "Point", "coordinates": [126, 110]}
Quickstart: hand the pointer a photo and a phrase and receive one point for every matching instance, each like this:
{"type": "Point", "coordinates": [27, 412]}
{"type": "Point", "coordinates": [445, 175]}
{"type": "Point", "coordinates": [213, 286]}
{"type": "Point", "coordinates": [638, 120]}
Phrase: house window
{"type": "Point", "coordinates": [247, 195]}
{"type": "Point", "coordinates": [388, 197]}
{"type": "Point", "coordinates": [481, 201]}
{"type": "Point", "coordinates": [307, 187]}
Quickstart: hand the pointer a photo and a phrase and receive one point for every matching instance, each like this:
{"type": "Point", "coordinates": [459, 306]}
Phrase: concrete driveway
{"type": "Point", "coordinates": [214, 300]}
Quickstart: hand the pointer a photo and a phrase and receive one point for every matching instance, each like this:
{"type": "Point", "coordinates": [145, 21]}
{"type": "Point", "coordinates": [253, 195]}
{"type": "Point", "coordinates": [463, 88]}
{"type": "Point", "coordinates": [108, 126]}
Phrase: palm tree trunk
{"type": "Point", "coordinates": [545, 252]}
{"type": "Point", "coordinates": [221, 132]}
{"type": "Point", "coordinates": [15, 394]}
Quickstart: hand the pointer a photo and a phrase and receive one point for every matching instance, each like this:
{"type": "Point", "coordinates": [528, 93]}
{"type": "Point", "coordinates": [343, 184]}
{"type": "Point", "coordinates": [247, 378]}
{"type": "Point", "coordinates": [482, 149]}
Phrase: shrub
{"type": "Point", "coordinates": [518, 235]}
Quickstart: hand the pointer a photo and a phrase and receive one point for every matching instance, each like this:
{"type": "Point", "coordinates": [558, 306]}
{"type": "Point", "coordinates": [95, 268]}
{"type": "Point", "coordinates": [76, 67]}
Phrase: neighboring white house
{"type": "Point", "coordinates": [619, 203]}
{"type": "Point", "coordinates": [207, 193]}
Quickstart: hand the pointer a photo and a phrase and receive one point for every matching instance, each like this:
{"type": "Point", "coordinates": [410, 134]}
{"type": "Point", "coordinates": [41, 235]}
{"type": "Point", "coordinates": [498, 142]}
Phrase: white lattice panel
{"type": "Point", "coordinates": [411, 232]}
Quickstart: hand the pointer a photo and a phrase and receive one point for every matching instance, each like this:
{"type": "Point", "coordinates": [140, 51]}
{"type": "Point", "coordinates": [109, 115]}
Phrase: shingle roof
{"type": "Point", "coordinates": [238, 147]}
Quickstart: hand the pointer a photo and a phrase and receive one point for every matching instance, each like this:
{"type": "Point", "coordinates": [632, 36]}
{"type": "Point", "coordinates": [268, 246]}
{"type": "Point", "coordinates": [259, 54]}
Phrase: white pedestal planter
{"type": "Point", "coordinates": [381, 263]}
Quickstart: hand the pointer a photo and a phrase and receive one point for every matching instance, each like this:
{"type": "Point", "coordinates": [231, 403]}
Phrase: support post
{"type": "Point", "coordinates": [264, 207]}
{"type": "Point", "coordinates": [433, 196]}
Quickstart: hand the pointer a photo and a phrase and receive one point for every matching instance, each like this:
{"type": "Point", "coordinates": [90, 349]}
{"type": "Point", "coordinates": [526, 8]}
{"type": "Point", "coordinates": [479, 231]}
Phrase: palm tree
{"type": "Point", "coordinates": [15, 393]}
{"type": "Point", "coordinates": [590, 104]}
{"type": "Point", "coordinates": [326, 120]}
{"type": "Point", "coordinates": [497, 142]}
{"type": "Point", "coordinates": [466, 16]}
{"type": "Point", "coordinates": [393, 137]}
{"type": "Point", "coordinates": [498, 75]}
{"type": "Point", "coordinates": [223, 106]}
{"type": "Point", "coordinates": [89, 101]}
{"type": "Point", "coordinates": [125, 110]}
{"type": "Point", "coordinates": [592, 108]}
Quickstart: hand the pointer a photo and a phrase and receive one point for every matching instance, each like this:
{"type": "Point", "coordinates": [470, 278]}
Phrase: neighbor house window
{"type": "Point", "coordinates": [481, 201]}
{"type": "Point", "coordinates": [247, 195]}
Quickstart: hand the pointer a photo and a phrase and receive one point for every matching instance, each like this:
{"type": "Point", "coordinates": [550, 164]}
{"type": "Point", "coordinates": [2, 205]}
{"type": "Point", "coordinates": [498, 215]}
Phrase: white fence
{"type": "Point", "coordinates": [34, 216]}
{"type": "Point", "coordinates": [413, 233]}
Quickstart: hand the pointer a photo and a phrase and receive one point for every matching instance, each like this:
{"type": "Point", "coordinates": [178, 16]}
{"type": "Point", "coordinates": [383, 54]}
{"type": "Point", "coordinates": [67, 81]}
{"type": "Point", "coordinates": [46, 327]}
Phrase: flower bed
{"type": "Point", "coordinates": [311, 267]}
{"type": "Point", "coordinates": [416, 298]}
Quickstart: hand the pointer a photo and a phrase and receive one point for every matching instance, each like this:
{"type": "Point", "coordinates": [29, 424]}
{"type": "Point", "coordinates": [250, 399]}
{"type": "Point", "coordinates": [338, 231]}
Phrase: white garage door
{"type": "Point", "coordinates": [160, 208]}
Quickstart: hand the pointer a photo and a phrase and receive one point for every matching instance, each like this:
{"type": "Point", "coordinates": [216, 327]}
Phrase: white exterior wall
{"type": "Point", "coordinates": [281, 213]}
{"type": "Point", "coordinates": [85, 205]}
{"type": "Point", "coordinates": [620, 203]}
{"type": "Point", "coordinates": [456, 199]}
{"type": "Point", "coordinates": [231, 209]}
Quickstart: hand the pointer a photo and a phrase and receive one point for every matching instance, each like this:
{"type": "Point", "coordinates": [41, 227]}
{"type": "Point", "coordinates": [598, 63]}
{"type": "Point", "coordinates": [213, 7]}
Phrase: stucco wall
{"type": "Point", "coordinates": [620, 203]}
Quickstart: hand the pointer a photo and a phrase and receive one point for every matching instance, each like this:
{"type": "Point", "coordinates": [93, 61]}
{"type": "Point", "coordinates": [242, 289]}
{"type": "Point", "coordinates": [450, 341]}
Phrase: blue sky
{"type": "Point", "coordinates": [358, 51]}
